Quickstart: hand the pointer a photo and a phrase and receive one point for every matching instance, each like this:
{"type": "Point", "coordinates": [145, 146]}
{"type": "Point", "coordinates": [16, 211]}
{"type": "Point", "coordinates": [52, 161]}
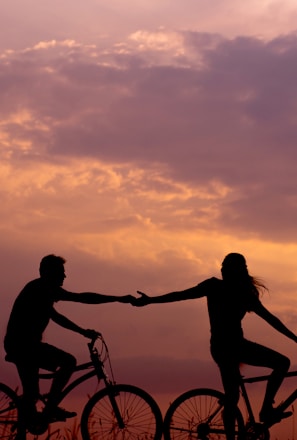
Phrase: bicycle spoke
{"type": "Point", "coordinates": [141, 417]}
{"type": "Point", "coordinates": [197, 414]}
{"type": "Point", "coordinates": [8, 414]}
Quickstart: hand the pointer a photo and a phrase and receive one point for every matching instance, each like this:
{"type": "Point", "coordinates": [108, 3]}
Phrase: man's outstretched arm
{"type": "Point", "coordinates": [94, 298]}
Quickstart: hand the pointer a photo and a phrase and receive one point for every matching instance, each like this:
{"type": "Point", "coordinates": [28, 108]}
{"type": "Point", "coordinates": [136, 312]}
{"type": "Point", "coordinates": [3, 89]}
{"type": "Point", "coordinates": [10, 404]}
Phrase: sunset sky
{"type": "Point", "coordinates": [144, 140]}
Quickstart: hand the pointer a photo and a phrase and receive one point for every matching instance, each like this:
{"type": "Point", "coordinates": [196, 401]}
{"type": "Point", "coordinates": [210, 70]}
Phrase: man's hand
{"type": "Point", "coordinates": [91, 334]}
{"type": "Point", "coordinates": [142, 301]}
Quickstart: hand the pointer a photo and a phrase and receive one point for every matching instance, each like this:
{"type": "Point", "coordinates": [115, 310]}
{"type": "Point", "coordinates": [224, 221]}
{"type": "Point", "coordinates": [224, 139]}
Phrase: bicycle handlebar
{"type": "Point", "coordinates": [94, 339]}
{"type": "Point", "coordinates": [103, 353]}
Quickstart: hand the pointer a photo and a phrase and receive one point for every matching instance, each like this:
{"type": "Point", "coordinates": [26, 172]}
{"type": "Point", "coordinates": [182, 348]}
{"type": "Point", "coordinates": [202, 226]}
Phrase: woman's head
{"type": "Point", "coordinates": [234, 267]}
{"type": "Point", "coordinates": [235, 272]}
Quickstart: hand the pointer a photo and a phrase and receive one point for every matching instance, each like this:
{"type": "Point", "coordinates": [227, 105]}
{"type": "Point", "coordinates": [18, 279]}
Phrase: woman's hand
{"type": "Point", "coordinates": [142, 301]}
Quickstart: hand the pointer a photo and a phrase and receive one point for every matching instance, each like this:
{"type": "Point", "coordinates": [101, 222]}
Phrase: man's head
{"type": "Point", "coordinates": [52, 269]}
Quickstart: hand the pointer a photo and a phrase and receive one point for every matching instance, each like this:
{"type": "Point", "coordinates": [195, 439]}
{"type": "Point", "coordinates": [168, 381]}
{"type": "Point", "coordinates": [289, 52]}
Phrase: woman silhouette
{"type": "Point", "coordinates": [228, 300]}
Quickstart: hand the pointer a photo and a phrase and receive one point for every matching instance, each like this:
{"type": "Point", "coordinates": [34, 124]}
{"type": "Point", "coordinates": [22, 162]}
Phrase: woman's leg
{"type": "Point", "coordinates": [228, 364]}
{"type": "Point", "coordinates": [258, 355]}
{"type": "Point", "coordinates": [230, 375]}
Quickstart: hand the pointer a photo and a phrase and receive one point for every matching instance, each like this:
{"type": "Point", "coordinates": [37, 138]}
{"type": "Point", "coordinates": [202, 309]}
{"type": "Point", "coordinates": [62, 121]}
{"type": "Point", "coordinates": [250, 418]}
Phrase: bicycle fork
{"type": "Point", "coordinates": [115, 408]}
{"type": "Point", "coordinates": [101, 374]}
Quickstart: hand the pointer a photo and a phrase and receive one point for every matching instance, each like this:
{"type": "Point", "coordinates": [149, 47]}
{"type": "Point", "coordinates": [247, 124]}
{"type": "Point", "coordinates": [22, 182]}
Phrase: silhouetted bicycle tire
{"type": "Point", "coordinates": [140, 413]}
{"type": "Point", "coordinates": [8, 413]}
{"type": "Point", "coordinates": [198, 414]}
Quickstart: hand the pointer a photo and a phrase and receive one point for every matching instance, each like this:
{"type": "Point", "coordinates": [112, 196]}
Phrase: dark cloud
{"type": "Point", "coordinates": [265, 212]}
{"type": "Point", "coordinates": [227, 110]}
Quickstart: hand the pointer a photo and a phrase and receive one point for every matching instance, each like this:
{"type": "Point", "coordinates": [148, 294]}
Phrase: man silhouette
{"type": "Point", "coordinates": [30, 315]}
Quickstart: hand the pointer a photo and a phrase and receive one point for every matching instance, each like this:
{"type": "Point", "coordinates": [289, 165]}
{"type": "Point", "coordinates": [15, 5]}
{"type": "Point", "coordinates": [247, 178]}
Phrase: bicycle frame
{"type": "Point", "coordinates": [199, 413]}
{"type": "Point", "coordinates": [74, 383]}
{"type": "Point", "coordinates": [282, 406]}
{"type": "Point", "coordinates": [97, 369]}
{"type": "Point", "coordinates": [123, 409]}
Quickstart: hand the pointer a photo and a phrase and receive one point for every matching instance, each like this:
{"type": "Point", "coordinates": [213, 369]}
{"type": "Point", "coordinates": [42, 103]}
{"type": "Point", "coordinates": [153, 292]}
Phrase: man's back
{"type": "Point", "coordinates": [30, 316]}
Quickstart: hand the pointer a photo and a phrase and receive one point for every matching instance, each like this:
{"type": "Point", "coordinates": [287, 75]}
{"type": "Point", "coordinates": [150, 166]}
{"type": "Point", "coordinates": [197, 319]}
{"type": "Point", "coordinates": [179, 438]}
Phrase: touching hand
{"type": "Point", "coordinates": [142, 301]}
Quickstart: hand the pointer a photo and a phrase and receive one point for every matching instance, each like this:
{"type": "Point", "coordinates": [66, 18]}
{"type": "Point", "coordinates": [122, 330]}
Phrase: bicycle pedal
{"type": "Point", "coordinates": [57, 419]}
{"type": "Point", "coordinates": [256, 430]}
{"type": "Point", "coordinates": [59, 415]}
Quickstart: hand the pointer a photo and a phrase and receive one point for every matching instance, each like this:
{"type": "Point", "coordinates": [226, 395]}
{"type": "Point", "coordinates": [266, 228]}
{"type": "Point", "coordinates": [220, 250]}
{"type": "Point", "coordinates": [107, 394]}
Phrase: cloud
{"type": "Point", "coordinates": [151, 170]}
{"type": "Point", "coordinates": [202, 113]}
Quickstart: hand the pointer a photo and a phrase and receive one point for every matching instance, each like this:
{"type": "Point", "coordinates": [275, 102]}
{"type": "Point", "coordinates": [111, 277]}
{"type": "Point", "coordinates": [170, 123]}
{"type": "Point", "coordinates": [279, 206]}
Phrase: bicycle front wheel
{"type": "Point", "coordinates": [198, 414]}
{"type": "Point", "coordinates": [139, 414]}
{"type": "Point", "coordinates": [8, 413]}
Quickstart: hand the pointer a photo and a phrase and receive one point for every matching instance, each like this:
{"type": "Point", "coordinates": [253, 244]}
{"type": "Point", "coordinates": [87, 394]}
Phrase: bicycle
{"type": "Point", "coordinates": [198, 414]}
{"type": "Point", "coordinates": [115, 412]}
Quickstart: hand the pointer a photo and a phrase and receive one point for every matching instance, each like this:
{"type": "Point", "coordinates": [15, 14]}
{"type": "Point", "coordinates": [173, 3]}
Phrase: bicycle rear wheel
{"type": "Point", "coordinates": [8, 413]}
{"type": "Point", "coordinates": [198, 414]}
{"type": "Point", "coordinates": [141, 416]}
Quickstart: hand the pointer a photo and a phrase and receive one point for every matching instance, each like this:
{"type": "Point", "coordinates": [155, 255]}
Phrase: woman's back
{"type": "Point", "coordinates": [227, 305]}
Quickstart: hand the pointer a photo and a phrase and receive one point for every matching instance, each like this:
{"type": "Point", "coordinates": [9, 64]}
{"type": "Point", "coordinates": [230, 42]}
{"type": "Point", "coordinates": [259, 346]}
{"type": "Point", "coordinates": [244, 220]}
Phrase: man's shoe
{"type": "Point", "coordinates": [59, 414]}
{"type": "Point", "coordinates": [274, 415]}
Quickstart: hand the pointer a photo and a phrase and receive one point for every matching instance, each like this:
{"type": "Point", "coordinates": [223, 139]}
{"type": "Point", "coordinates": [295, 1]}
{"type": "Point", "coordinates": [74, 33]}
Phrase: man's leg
{"type": "Point", "coordinates": [27, 367]}
{"type": "Point", "coordinates": [63, 364]}
{"type": "Point", "coordinates": [28, 373]}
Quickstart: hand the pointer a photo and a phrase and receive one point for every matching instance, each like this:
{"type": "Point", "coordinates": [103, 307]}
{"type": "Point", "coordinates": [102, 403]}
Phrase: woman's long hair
{"type": "Point", "coordinates": [235, 273]}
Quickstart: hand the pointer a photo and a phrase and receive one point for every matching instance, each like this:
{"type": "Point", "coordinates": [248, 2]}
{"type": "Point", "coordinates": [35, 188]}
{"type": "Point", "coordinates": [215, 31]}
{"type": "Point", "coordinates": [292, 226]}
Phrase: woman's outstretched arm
{"type": "Point", "coordinates": [275, 322]}
{"type": "Point", "coordinates": [192, 293]}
